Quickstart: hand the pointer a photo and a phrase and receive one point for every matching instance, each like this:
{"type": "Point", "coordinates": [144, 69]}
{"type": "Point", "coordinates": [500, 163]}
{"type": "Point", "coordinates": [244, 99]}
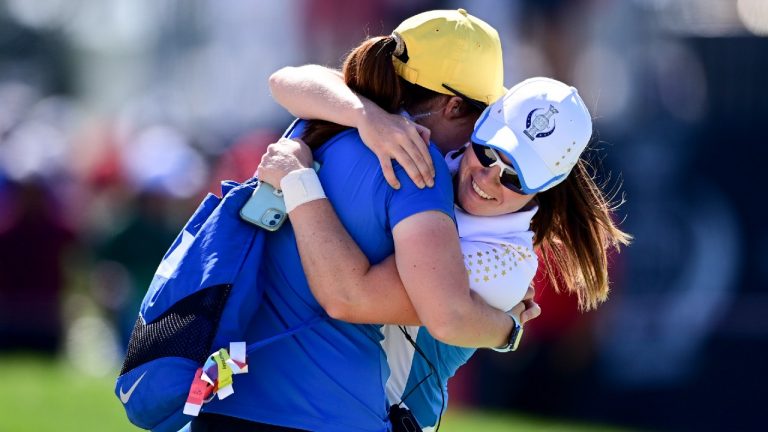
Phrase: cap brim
{"type": "Point", "coordinates": [534, 174]}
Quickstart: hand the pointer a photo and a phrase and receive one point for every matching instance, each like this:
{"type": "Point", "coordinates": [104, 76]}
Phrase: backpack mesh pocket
{"type": "Point", "coordinates": [185, 330]}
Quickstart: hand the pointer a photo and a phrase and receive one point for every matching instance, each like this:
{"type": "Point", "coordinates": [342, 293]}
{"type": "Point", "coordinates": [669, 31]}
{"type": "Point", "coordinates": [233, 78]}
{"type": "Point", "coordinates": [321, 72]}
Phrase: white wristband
{"type": "Point", "coordinates": [299, 187]}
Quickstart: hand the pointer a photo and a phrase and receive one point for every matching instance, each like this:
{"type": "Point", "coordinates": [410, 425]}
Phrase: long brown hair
{"type": "Point", "coordinates": [575, 231]}
{"type": "Point", "coordinates": [368, 70]}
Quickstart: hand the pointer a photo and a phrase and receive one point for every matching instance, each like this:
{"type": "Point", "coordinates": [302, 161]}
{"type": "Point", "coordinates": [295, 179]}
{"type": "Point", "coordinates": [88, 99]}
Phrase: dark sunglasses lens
{"type": "Point", "coordinates": [509, 179]}
{"type": "Point", "coordinates": [484, 155]}
{"type": "Point", "coordinates": [512, 182]}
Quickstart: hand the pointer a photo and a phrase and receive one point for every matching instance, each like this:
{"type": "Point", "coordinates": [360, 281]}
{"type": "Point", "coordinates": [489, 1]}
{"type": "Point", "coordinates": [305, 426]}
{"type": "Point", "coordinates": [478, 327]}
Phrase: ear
{"type": "Point", "coordinates": [454, 108]}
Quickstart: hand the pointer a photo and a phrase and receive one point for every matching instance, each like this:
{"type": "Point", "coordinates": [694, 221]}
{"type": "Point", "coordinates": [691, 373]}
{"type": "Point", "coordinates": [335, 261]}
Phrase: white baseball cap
{"type": "Point", "coordinates": [542, 125]}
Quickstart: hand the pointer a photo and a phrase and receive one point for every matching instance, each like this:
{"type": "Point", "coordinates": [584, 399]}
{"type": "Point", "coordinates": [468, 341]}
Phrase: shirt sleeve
{"type": "Point", "coordinates": [499, 272]}
{"type": "Point", "coordinates": [410, 200]}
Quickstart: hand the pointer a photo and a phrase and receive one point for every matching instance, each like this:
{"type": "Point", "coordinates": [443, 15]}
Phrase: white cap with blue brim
{"type": "Point", "coordinates": [542, 125]}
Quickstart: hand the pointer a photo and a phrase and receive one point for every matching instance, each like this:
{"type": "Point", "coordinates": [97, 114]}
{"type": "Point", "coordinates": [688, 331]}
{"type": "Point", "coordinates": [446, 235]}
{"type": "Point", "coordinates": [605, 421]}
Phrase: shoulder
{"type": "Point", "coordinates": [410, 200]}
{"type": "Point", "coordinates": [443, 182]}
{"type": "Point", "coordinates": [346, 153]}
{"type": "Point", "coordinates": [348, 140]}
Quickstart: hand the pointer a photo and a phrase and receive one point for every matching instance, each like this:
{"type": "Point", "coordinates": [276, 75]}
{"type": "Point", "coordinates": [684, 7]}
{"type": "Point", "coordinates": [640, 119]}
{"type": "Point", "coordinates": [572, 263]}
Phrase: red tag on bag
{"type": "Point", "coordinates": [199, 391]}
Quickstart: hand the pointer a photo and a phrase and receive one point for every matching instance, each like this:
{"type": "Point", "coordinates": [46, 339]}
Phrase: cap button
{"type": "Point", "coordinates": [463, 11]}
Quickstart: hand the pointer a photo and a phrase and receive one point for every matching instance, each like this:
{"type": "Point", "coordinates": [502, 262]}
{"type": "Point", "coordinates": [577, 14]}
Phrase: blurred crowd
{"type": "Point", "coordinates": [117, 117]}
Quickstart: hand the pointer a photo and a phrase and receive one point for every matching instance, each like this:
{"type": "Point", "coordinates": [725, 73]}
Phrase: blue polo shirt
{"type": "Point", "coordinates": [330, 377]}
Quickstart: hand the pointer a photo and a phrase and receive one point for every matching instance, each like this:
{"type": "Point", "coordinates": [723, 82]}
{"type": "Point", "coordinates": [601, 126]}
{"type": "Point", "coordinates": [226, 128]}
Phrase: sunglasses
{"type": "Point", "coordinates": [489, 157]}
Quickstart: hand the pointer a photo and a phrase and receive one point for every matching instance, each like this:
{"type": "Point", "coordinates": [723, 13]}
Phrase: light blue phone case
{"type": "Point", "coordinates": [266, 206]}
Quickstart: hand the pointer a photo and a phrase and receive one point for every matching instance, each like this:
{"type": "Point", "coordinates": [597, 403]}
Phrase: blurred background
{"type": "Point", "coordinates": [117, 116]}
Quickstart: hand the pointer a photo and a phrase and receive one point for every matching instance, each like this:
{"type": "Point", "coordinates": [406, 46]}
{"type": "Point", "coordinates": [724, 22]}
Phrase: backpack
{"type": "Point", "coordinates": [188, 339]}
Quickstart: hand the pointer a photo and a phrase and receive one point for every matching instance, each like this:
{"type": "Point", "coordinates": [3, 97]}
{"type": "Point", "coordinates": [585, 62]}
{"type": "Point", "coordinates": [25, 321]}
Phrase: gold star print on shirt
{"type": "Point", "coordinates": [500, 273]}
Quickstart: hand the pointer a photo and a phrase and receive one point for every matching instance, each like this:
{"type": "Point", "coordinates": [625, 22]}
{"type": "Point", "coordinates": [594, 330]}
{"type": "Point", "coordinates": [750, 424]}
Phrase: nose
{"type": "Point", "coordinates": [494, 173]}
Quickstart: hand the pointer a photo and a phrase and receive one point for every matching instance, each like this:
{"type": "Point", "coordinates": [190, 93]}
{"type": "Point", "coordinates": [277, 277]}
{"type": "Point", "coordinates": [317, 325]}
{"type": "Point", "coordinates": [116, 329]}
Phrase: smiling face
{"type": "Point", "coordinates": [480, 192]}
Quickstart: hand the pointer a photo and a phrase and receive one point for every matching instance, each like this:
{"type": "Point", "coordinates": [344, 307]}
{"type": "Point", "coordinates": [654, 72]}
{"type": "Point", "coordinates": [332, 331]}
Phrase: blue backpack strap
{"type": "Point", "coordinates": [295, 129]}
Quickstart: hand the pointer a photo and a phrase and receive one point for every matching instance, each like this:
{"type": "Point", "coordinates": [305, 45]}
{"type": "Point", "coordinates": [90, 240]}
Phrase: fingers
{"type": "Point", "coordinates": [395, 137]}
{"type": "Point", "coordinates": [411, 160]}
{"type": "Point", "coordinates": [389, 172]}
{"type": "Point", "coordinates": [285, 141]}
{"type": "Point", "coordinates": [287, 148]}
{"type": "Point", "coordinates": [425, 134]}
{"type": "Point", "coordinates": [529, 293]}
{"type": "Point", "coordinates": [421, 154]}
{"type": "Point", "coordinates": [532, 311]}
{"type": "Point", "coordinates": [517, 310]}
{"type": "Point", "coordinates": [411, 152]}
{"type": "Point", "coordinates": [527, 309]}
{"type": "Point", "coordinates": [281, 158]}
{"type": "Point", "coordinates": [259, 172]}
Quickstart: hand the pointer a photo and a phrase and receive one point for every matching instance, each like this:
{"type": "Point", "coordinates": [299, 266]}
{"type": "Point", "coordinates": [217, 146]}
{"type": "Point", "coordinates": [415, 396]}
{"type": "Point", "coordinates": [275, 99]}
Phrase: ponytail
{"type": "Point", "coordinates": [367, 70]}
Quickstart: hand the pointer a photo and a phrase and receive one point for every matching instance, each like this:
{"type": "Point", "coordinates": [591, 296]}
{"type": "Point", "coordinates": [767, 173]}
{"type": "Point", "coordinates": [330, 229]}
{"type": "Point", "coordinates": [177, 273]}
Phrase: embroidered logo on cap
{"type": "Point", "coordinates": [539, 128]}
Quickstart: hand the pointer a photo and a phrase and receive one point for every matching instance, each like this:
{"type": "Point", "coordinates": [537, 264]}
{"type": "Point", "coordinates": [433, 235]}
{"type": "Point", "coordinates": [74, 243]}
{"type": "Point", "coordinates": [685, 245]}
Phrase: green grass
{"type": "Point", "coordinates": [41, 394]}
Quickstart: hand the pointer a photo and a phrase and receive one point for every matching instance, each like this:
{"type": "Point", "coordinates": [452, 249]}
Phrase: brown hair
{"type": "Point", "coordinates": [368, 70]}
{"type": "Point", "coordinates": [574, 231]}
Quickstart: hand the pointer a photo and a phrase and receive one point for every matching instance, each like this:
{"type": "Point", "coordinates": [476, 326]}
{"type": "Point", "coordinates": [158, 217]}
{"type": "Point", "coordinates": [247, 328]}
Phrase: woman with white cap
{"type": "Point", "coordinates": [523, 184]}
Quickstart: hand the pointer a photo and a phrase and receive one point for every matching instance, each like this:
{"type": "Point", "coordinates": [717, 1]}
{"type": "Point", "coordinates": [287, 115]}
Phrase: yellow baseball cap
{"type": "Point", "coordinates": [453, 48]}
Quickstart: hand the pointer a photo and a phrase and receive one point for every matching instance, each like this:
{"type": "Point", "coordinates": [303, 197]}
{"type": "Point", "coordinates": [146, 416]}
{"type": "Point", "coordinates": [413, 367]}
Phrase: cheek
{"type": "Point", "coordinates": [467, 199]}
{"type": "Point", "coordinates": [464, 174]}
{"type": "Point", "coordinates": [514, 202]}
{"type": "Point", "coordinates": [462, 190]}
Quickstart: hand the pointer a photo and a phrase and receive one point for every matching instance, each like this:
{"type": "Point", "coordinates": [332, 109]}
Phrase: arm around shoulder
{"type": "Point", "coordinates": [316, 92]}
{"type": "Point", "coordinates": [429, 261]}
{"type": "Point", "coordinates": [347, 286]}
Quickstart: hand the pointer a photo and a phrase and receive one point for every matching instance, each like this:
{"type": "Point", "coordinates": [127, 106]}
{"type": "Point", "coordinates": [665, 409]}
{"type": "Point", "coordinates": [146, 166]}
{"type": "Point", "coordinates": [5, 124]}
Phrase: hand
{"type": "Point", "coordinates": [392, 136]}
{"type": "Point", "coordinates": [281, 158]}
{"type": "Point", "coordinates": [527, 309]}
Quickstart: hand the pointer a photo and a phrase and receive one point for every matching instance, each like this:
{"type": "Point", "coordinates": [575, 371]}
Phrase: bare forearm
{"type": "Point", "coordinates": [316, 92]}
{"type": "Point", "coordinates": [340, 275]}
{"type": "Point", "coordinates": [436, 282]}
{"type": "Point", "coordinates": [494, 326]}
{"type": "Point", "coordinates": [469, 321]}
{"type": "Point", "coordinates": [424, 284]}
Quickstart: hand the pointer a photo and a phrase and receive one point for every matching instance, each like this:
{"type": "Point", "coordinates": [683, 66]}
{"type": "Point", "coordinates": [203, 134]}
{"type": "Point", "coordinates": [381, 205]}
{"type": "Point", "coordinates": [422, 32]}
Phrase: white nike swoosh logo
{"type": "Point", "coordinates": [125, 397]}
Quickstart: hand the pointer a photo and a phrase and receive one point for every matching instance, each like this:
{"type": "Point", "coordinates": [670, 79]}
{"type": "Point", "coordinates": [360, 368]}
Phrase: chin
{"type": "Point", "coordinates": [484, 211]}
{"type": "Point", "coordinates": [474, 207]}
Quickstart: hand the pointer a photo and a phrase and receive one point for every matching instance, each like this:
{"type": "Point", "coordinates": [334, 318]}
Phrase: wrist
{"type": "Point", "coordinates": [514, 337]}
{"type": "Point", "coordinates": [368, 113]}
{"type": "Point", "coordinates": [299, 187]}
{"type": "Point", "coordinates": [361, 109]}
